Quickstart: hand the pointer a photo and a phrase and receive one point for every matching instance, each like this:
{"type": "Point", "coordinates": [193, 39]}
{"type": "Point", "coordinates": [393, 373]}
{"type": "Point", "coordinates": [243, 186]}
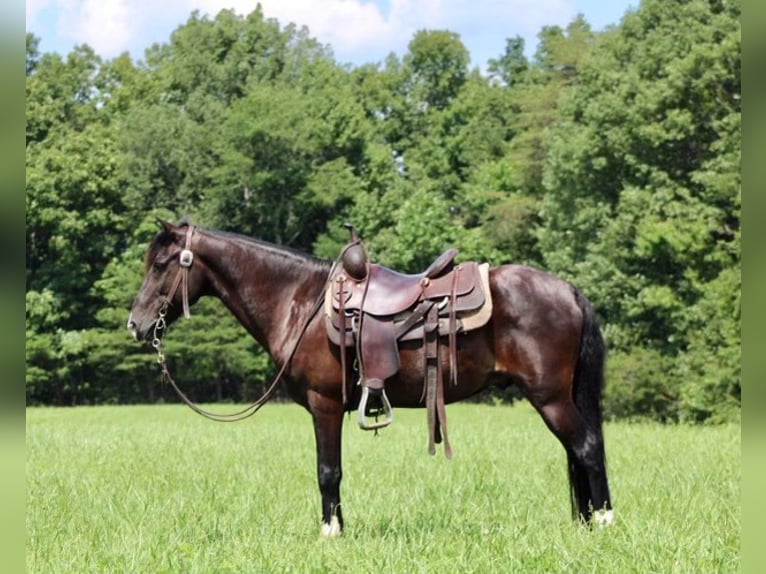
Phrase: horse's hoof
{"type": "Point", "coordinates": [603, 517]}
{"type": "Point", "coordinates": [332, 530]}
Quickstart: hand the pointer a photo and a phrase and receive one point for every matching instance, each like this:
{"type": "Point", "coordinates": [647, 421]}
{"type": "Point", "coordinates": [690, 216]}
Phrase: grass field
{"type": "Point", "coordinates": [159, 489]}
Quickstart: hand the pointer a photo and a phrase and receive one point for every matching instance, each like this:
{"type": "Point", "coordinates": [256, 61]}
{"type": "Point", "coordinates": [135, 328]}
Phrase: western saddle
{"type": "Point", "coordinates": [370, 308]}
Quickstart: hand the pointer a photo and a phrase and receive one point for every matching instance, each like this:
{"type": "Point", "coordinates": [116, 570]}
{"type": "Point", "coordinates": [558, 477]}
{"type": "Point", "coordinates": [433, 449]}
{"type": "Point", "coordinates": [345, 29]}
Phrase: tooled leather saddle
{"type": "Point", "coordinates": [371, 309]}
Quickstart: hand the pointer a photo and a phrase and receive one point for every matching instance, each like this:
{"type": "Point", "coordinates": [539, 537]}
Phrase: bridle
{"type": "Point", "coordinates": [182, 277]}
{"type": "Point", "coordinates": [186, 258]}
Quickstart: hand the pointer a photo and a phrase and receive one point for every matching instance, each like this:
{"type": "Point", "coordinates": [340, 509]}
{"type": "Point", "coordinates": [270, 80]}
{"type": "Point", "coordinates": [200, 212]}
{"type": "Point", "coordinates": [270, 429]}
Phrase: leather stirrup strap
{"type": "Point", "coordinates": [441, 411]}
{"type": "Point", "coordinates": [413, 318]}
{"type": "Point", "coordinates": [453, 327]}
{"type": "Point", "coordinates": [434, 391]}
{"type": "Point", "coordinates": [342, 327]}
{"type": "Point", "coordinates": [431, 353]}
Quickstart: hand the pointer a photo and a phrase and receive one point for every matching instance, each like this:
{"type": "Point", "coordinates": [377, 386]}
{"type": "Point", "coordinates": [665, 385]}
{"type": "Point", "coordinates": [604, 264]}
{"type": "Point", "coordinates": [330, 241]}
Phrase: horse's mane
{"type": "Point", "coordinates": [165, 238]}
{"type": "Point", "coordinates": [290, 254]}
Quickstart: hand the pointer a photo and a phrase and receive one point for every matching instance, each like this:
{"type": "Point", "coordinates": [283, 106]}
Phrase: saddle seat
{"type": "Point", "coordinates": [390, 292]}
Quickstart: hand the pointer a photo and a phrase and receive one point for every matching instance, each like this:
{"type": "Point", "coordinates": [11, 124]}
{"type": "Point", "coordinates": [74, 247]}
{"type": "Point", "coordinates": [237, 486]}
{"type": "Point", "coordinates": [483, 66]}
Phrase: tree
{"type": "Point", "coordinates": [643, 189]}
{"type": "Point", "coordinates": [32, 53]}
{"type": "Point", "coordinates": [510, 68]}
{"type": "Point", "coordinates": [611, 159]}
{"type": "Point", "coordinates": [439, 64]}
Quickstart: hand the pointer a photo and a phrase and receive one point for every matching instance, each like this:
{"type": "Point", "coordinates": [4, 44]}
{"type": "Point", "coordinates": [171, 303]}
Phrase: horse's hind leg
{"type": "Point", "coordinates": [585, 452]}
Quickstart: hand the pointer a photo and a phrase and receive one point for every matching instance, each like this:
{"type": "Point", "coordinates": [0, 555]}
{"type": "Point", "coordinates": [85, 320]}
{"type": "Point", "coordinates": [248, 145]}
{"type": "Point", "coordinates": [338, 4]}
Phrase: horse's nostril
{"type": "Point", "coordinates": [132, 327]}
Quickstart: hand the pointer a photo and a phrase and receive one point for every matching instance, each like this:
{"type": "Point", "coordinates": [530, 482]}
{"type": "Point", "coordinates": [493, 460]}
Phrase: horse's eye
{"type": "Point", "coordinates": [160, 264]}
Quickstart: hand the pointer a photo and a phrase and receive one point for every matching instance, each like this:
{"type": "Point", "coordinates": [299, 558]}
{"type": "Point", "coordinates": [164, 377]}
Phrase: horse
{"type": "Point", "coordinates": [542, 335]}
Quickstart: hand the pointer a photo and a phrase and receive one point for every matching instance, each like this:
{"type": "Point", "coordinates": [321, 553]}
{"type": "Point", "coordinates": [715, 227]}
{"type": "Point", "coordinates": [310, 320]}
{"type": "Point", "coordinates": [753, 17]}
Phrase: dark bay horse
{"type": "Point", "coordinates": [542, 335]}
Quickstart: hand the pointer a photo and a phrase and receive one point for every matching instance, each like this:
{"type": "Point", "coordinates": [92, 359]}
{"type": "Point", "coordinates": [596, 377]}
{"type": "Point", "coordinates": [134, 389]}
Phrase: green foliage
{"type": "Point", "coordinates": [611, 159]}
{"type": "Point", "coordinates": [639, 386]}
{"type": "Point", "coordinates": [711, 368]}
{"type": "Point", "coordinates": [67, 179]}
{"type": "Point", "coordinates": [632, 211]}
{"type": "Point", "coordinates": [512, 66]}
{"type": "Point", "coordinates": [288, 160]}
{"type": "Point", "coordinates": [438, 62]}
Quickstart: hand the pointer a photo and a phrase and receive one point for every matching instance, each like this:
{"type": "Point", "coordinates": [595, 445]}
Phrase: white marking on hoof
{"type": "Point", "coordinates": [604, 517]}
{"type": "Point", "coordinates": [333, 529]}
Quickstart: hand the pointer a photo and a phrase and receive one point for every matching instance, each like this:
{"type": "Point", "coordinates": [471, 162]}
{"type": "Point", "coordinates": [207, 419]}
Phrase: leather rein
{"type": "Point", "coordinates": [181, 280]}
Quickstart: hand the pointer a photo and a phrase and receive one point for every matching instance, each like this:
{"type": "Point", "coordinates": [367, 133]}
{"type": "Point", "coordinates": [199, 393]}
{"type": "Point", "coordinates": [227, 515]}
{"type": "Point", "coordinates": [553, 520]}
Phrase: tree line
{"type": "Point", "coordinates": [610, 158]}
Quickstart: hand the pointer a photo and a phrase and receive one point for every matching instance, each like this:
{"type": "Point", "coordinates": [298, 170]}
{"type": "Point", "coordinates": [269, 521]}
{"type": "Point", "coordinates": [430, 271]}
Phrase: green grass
{"type": "Point", "coordinates": [159, 489]}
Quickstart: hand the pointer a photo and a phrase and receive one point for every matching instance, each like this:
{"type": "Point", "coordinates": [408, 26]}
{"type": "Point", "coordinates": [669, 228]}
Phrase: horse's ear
{"type": "Point", "coordinates": [166, 225]}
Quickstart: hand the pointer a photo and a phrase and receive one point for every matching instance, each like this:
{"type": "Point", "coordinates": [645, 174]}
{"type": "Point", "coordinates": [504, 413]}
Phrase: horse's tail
{"type": "Point", "coordinates": [587, 389]}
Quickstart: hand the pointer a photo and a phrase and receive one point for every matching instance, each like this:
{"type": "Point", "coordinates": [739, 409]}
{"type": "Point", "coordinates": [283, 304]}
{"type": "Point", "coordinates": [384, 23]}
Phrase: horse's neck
{"type": "Point", "coordinates": [268, 290]}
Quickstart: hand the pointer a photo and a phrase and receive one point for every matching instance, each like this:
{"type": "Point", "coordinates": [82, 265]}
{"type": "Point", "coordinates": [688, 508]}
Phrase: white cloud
{"type": "Point", "coordinates": [106, 25]}
{"type": "Point", "coordinates": [34, 7]}
{"type": "Point", "coordinates": [351, 26]}
{"type": "Point", "coordinates": [357, 30]}
{"type": "Point", "coordinates": [344, 24]}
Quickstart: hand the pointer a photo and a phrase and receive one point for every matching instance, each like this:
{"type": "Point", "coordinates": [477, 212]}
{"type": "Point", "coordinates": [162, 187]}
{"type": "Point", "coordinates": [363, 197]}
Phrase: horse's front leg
{"type": "Point", "coordinates": [328, 423]}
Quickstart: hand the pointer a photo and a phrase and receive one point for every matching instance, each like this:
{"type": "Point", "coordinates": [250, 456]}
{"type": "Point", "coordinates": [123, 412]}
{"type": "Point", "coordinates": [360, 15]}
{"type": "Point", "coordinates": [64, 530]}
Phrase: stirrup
{"type": "Point", "coordinates": [363, 424]}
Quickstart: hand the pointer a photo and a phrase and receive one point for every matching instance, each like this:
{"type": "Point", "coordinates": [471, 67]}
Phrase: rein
{"type": "Point", "coordinates": [182, 279]}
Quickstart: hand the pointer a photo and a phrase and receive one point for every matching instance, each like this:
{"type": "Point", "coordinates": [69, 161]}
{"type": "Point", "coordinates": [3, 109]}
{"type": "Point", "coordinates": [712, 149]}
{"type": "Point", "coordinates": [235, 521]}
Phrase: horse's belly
{"type": "Point", "coordinates": [475, 363]}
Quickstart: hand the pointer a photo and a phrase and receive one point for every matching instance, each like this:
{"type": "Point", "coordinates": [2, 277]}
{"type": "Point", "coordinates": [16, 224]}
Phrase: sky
{"type": "Point", "coordinates": [358, 31]}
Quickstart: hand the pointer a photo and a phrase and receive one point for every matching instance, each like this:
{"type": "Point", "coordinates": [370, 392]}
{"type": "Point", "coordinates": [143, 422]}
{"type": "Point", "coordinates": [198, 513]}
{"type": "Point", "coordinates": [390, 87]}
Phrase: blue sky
{"type": "Point", "coordinates": [359, 31]}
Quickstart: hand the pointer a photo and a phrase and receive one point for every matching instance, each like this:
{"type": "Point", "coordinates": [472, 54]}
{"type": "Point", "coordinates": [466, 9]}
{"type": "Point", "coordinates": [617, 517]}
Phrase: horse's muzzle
{"type": "Point", "coordinates": [132, 327]}
{"type": "Point", "coordinates": [146, 333]}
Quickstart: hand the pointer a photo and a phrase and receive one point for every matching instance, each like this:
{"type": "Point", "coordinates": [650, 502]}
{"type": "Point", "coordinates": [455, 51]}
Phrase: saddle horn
{"type": "Point", "coordinates": [354, 233]}
{"type": "Point", "coordinates": [355, 256]}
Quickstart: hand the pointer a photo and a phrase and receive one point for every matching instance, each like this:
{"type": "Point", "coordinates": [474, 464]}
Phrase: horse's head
{"type": "Point", "coordinates": [172, 282]}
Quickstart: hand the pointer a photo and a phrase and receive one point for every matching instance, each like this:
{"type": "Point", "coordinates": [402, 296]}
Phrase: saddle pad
{"type": "Point", "coordinates": [481, 316]}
